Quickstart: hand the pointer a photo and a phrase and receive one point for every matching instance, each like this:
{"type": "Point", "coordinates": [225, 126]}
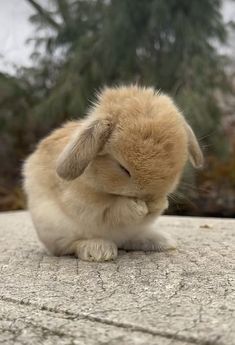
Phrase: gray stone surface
{"type": "Point", "coordinates": [176, 298]}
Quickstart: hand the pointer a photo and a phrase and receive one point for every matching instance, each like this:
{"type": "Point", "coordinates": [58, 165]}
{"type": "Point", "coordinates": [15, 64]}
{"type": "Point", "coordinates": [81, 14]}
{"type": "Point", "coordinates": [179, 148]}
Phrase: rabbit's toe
{"type": "Point", "coordinates": [96, 250]}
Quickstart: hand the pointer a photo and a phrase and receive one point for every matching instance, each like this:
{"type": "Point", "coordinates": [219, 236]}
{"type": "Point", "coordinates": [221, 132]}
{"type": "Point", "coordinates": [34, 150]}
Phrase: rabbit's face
{"type": "Point", "coordinates": [145, 158]}
{"type": "Point", "coordinates": [135, 143]}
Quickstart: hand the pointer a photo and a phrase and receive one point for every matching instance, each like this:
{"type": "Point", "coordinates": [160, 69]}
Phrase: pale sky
{"type": "Point", "coordinates": [15, 29]}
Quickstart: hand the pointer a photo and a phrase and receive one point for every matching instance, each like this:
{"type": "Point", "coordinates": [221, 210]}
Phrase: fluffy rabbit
{"type": "Point", "coordinates": [96, 185]}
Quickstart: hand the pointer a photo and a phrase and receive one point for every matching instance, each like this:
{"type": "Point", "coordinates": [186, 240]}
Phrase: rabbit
{"type": "Point", "coordinates": [98, 184]}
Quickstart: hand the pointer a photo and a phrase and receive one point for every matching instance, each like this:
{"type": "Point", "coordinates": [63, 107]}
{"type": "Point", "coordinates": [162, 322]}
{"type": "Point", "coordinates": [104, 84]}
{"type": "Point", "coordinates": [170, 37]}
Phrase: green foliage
{"type": "Point", "coordinates": [167, 44]}
{"type": "Point", "coordinates": [82, 45]}
{"type": "Point", "coordinates": [15, 102]}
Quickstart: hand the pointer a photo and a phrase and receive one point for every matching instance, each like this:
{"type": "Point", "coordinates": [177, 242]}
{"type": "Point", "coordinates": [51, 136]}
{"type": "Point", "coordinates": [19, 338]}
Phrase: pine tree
{"type": "Point", "coordinates": [170, 45]}
{"type": "Point", "coordinates": [82, 45]}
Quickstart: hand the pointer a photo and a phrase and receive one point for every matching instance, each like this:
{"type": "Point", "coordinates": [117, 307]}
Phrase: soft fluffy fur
{"type": "Point", "coordinates": [83, 202]}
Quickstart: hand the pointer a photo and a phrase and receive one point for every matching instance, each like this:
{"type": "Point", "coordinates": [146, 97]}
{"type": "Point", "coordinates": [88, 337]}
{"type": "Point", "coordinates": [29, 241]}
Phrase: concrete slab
{"type": "Point", "coordinates": [176, 298]}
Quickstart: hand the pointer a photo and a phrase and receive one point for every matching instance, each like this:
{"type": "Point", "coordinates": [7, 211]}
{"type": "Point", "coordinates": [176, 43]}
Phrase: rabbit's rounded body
{"type": "Point", "coordinates": [95, 185]}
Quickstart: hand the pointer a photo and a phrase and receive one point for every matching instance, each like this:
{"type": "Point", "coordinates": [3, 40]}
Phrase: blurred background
{"type": "Point", "coordinates": [54, 55]}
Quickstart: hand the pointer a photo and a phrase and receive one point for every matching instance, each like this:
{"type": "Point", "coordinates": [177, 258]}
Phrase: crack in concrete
{"type": "Point", "coordinates": [46, 332]}
{"type": "Point", "coordinates": [128, 326]}
{"type": "Point", "coordinates": [106, 296]}
{"type": "Point", "coordinates": [179, 287]}
{"type": "Point", "coordinates": [101, 282]}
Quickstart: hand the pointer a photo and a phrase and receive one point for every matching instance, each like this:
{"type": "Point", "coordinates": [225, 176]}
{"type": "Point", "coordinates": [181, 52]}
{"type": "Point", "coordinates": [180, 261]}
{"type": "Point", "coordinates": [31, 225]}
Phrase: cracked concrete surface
{"type": "Point", "coordinates": [176, 298]}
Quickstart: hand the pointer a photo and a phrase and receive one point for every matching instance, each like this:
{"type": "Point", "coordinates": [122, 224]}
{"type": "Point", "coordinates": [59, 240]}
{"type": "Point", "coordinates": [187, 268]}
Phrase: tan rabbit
{"type": "Point", "coordinates": [96, 185]}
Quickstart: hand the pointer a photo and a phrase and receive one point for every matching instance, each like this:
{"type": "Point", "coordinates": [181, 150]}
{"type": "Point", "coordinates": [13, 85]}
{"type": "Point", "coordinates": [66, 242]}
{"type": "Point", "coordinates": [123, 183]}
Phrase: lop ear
{"type": "Point", "coordinates": [82, 148]}
{"type": "Point", "coordinates": [195, 152]}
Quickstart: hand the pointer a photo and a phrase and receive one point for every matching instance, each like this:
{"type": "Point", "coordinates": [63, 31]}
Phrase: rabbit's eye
{"type": "Point", "coordinates": [125, 170]}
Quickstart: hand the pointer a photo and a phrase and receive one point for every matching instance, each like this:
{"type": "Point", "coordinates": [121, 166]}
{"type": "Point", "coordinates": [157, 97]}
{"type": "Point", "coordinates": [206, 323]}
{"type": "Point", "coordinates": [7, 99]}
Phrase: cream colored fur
{"type": "Point", "coordinates": [83, 202]}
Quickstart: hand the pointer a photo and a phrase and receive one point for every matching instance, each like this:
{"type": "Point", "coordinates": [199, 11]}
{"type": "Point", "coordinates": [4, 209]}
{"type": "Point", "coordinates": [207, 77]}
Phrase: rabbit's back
{"type": "Point", "coordinates": [39, 168]}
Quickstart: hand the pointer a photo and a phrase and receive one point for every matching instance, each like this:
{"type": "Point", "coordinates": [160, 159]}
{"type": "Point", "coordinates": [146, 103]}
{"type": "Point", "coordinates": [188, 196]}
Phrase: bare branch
{"type": "Point", "coordinates": [44, 14]}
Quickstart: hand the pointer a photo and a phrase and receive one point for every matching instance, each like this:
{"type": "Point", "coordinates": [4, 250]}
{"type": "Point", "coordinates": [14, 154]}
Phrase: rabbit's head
{"type": "Point", "coordinates": [135, 142]}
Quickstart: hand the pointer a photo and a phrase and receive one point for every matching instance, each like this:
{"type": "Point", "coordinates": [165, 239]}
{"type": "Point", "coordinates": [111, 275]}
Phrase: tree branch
{"type": "Point", "coordinates": [64, 10]}
{"type": "Point", "coordinates": [44, 14]}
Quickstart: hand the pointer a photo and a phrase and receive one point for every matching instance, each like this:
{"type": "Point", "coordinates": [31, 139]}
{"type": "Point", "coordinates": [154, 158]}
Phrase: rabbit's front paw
{"type": "Point", "coordinates": [96, 250]}
{"type": "Point", "coordinates": [138, 208]}
{"type": "Point", "coordinates": [157, 207]}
